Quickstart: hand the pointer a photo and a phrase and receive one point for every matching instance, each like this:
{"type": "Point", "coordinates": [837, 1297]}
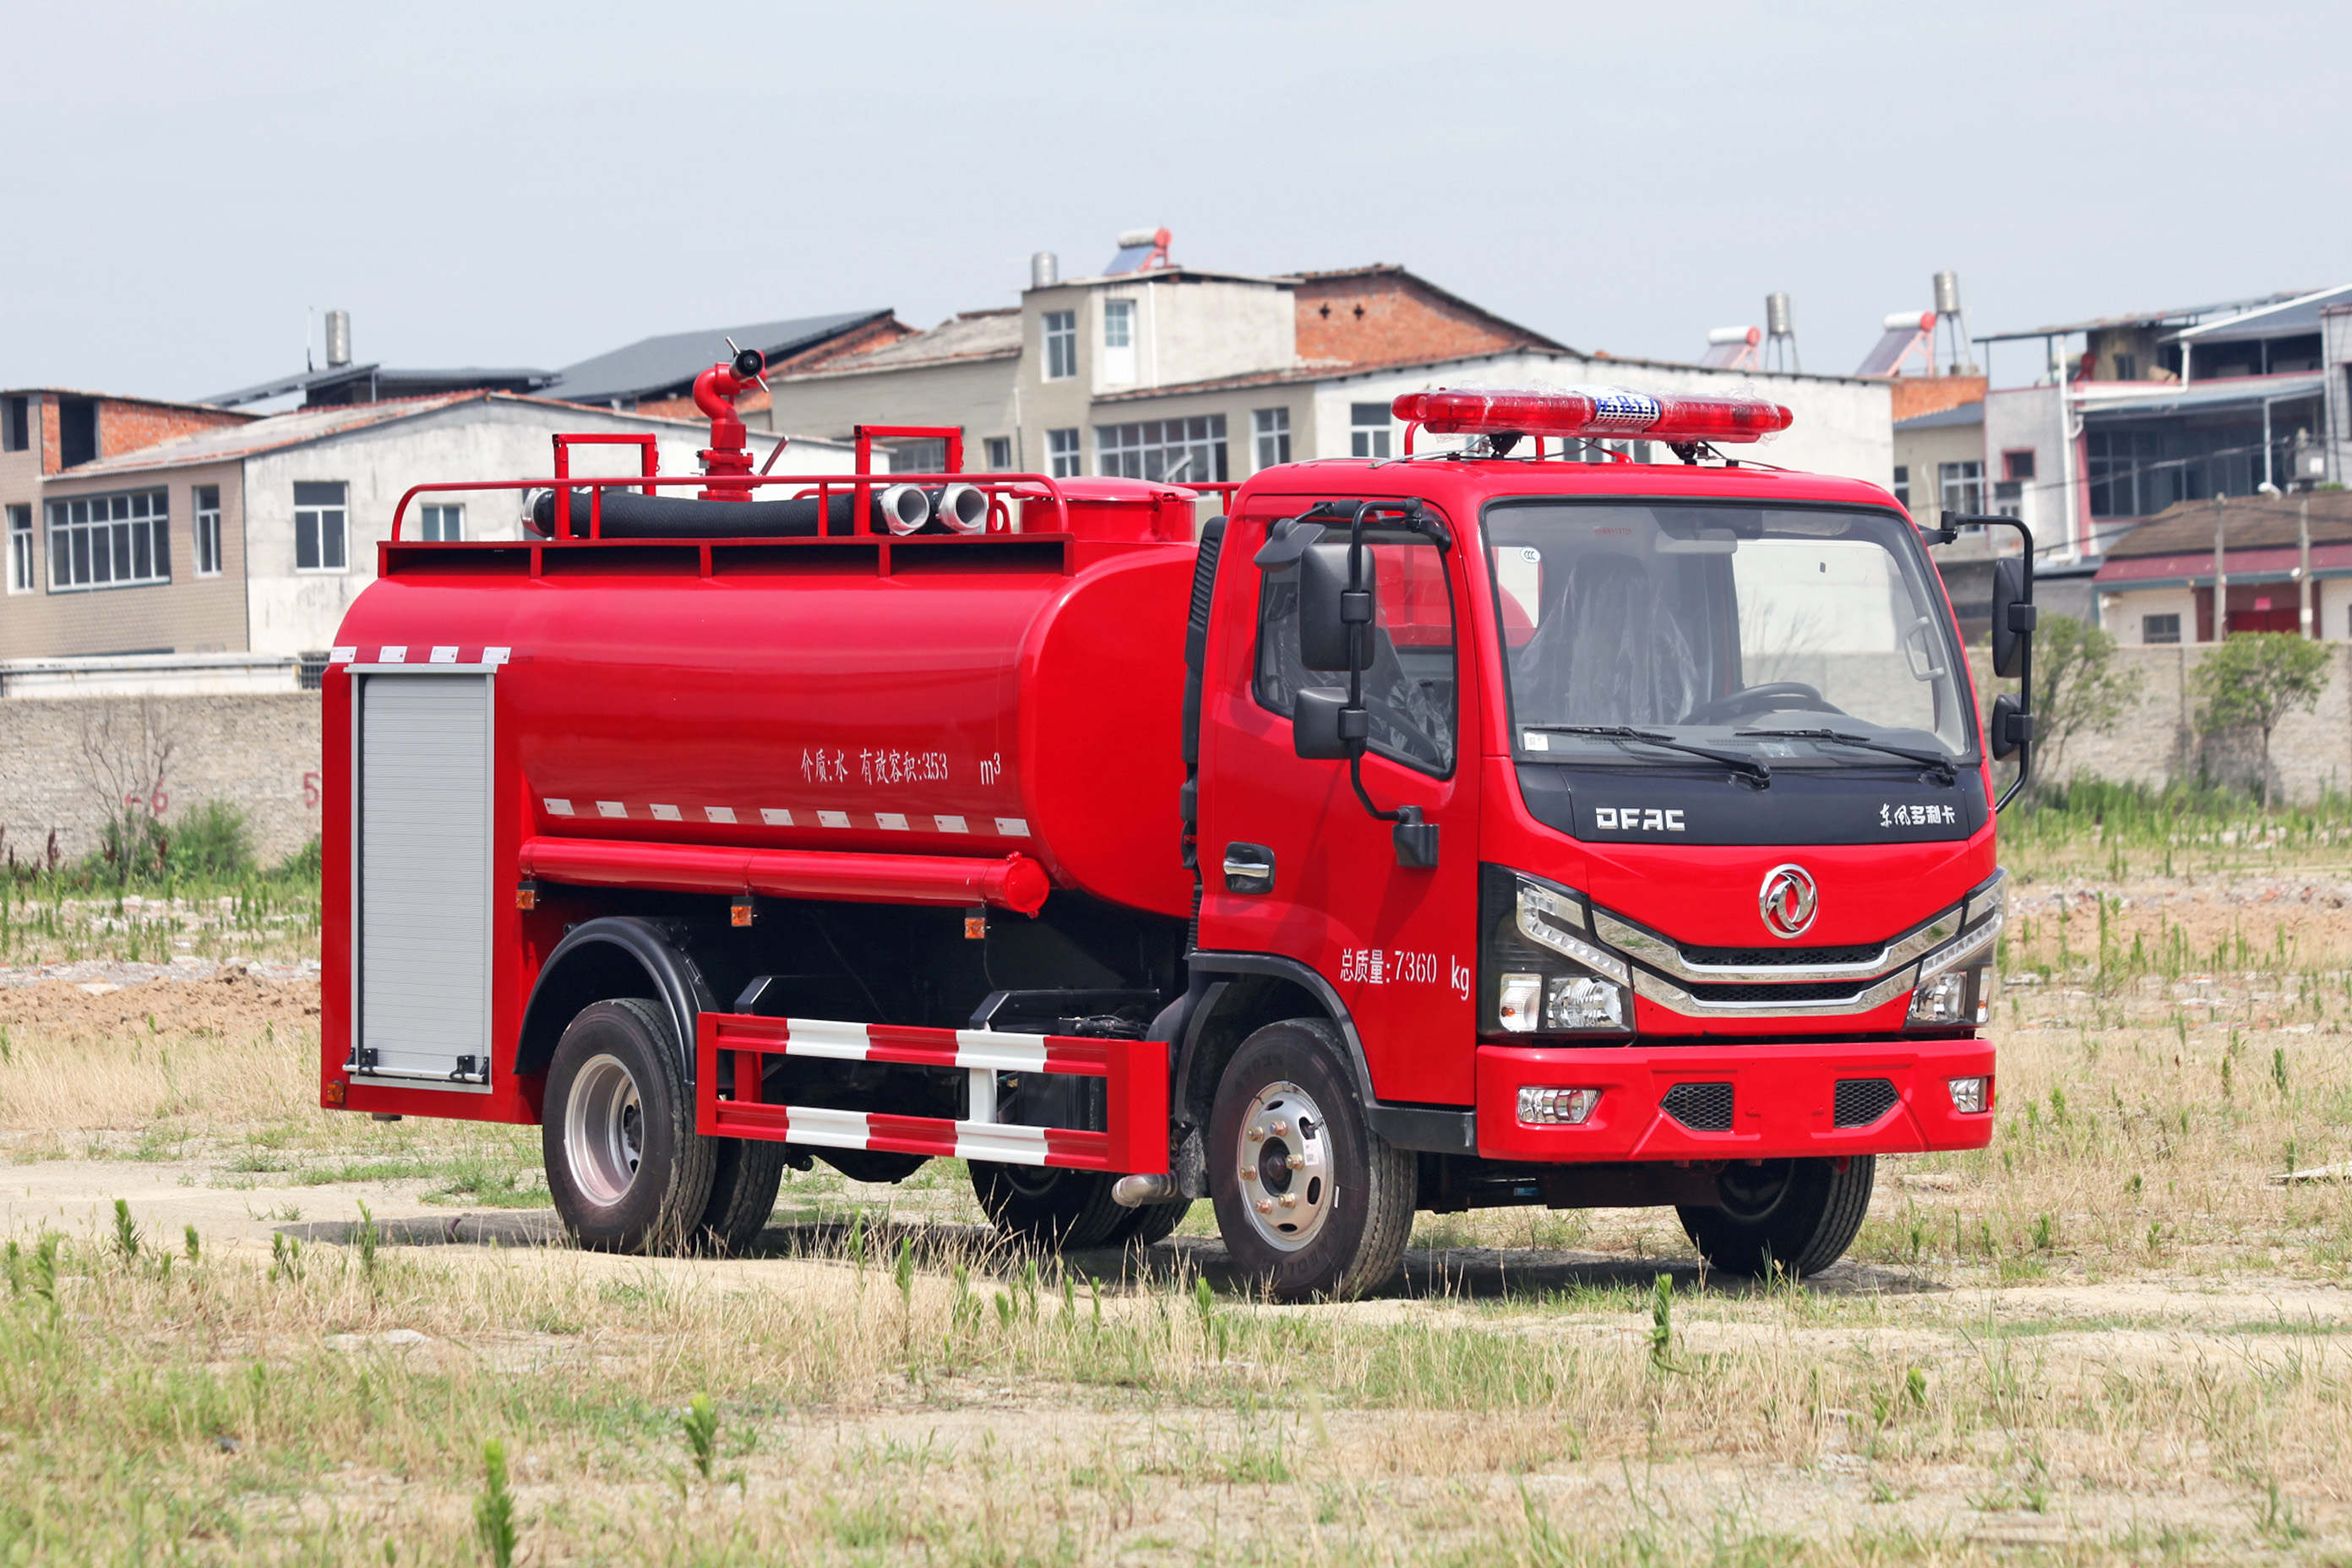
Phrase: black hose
{"type": "Point", "coordinates": [629, 515]}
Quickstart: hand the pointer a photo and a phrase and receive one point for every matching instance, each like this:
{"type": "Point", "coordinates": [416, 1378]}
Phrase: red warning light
{"type": "Point", "coordinates": [1593, 411]}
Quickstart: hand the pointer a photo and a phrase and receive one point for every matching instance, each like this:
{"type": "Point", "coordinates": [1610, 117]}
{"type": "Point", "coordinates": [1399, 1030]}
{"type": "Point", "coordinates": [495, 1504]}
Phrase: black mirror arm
{"type": "Point", "coordinates": [2024, 623]}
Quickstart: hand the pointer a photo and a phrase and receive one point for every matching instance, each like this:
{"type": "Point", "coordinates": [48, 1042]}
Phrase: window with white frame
{"type": "Point", "coordinates": [1962, 485]}
{"type": "Point", "coordinates": [1175, 450]}
{"type": "Point", "coordinates": [1000, 454]}
{"type": "Point", "coordinates": [1061, 345]}
{"type": "Point", "coordinates": [205, 502]}
{"type": "Point", "coordinates": [20, 550]}
{"type": "Point", "coordinates": [321, 526]}
{"type": "Point", "coordinates": [110, 542]}
{"type": "Point", "coordinates": [1272, 428]}
{"type": "Point", "coordinates": [1119, 341]}
{"type": "Point", "coordinates": [447, 520]}
{"type": "Point", "coordinates": [1062, 448]}
{"type": "Point", "coordinates": [1368, 429]}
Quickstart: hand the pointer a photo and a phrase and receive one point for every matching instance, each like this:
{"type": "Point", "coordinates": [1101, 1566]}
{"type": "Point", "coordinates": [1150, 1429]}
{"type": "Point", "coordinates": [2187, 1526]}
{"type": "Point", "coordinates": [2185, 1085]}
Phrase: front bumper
{"type": "Point", "coordinates": [1784, 1099]}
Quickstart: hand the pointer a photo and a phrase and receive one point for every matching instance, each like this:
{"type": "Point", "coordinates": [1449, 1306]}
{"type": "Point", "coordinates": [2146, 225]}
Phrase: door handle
{"type": "Point", "coordinates": [1249, 868]}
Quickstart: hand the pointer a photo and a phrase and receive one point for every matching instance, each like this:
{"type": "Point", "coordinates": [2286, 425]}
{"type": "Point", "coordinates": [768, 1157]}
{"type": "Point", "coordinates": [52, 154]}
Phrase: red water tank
{"type": "Point", "coordinates": [970, 697]}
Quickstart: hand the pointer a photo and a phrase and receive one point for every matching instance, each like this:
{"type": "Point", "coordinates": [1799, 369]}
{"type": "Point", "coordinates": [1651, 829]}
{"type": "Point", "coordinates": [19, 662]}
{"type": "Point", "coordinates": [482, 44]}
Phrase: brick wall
{"type": "Point", "coordinates": [259, 752]}
{"type": "Point", "coordinates": [1919, 395]}
{"type": "Point", "coordinates": [127, 426]}
{"type": "Point", "coordinates": [1381, 317]}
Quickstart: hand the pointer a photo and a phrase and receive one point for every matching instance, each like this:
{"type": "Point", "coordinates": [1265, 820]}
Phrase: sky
{"type": "Point", "coordinates": [514, 183]}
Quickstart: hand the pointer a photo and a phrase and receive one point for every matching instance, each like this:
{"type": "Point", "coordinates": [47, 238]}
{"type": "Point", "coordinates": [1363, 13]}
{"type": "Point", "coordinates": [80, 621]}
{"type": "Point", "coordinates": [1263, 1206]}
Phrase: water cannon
{"type": "Point", "coordinates": [727, 460]}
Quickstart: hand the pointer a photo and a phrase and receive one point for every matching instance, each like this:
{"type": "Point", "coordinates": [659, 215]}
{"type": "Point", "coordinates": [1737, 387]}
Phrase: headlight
{"type": "Point", "coordinates": [1970, 1096]}
{"type": "Point", "coordinates": [1556, 1107]}
{"type": "Point", "coordinates": [1546, 974]}
{"type": "Point", "coordinates": [1956, 981]}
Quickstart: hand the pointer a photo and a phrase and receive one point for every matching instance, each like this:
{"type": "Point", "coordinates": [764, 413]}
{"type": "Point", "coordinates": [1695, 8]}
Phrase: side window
{"type": "Point", "coordinates": [1409, 690]}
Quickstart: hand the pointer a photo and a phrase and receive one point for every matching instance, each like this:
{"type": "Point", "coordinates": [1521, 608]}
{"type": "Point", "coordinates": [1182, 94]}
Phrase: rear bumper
{"type": "Point", "coordinates": [1783, 1100]}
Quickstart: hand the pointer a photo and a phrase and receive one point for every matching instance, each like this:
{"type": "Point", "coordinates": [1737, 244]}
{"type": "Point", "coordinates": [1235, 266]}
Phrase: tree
{"type": "Point", "coordinates": [2255, 679]}
{"type": "Point", "coordinates": [2078, 688]}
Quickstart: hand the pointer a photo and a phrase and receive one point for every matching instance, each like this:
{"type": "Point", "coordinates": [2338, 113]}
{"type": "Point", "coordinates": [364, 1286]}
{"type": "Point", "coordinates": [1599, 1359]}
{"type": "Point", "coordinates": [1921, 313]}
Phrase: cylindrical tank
{"type": "Point", "coordinates": [338, 338]}
{"type": "Point", "coordinates": [1044, 270]}
{"type": "Point", "coordinates": [953, 696]}
{"type": "Point", "coordinates": [1779, 321]}
{"type": "Point", "coordinates": [1947, 293]}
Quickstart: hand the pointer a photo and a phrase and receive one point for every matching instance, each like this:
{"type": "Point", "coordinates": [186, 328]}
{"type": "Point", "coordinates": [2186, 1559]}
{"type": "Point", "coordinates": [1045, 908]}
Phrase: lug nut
{"type": "Point", "coordinates": [1280, 1128]}
{"type": "Point", "coordinates": [1248, 1174]}
{"type": "Point", "coordinates": [1265, 1206]}
{"type": "Point", "coordinates": [1297, 1162]}
{"type": "Point", "coordinates": [1290, 1200]}
{"type": "Point", "coordinates": [1256, 1134]}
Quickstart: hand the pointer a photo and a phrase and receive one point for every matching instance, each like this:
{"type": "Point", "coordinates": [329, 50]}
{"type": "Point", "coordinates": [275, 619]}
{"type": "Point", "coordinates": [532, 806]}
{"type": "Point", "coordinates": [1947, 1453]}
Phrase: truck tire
{"type": "Point", "coordinates": [1045, 1206]}
{"type": "Point", "coordinates": [626, 1168]}
{"type": "Point", "coordinates": [1310, 1201]}
{"type": "Point", "coordinates": [745, 1174]}
{"type": "Point", "coordinates": [1799, 1214]}
{"type": "Point", "coordinates": [1147, 1224]}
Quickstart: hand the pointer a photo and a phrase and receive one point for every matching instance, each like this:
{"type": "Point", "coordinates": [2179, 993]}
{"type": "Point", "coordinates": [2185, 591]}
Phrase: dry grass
{"type": "Point", "coordinates": [2109, 1338]}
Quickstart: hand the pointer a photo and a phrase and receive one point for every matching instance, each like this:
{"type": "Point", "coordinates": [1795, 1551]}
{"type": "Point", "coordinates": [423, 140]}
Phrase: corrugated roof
{"type": "Point", "coordinates": [2186, 528]}
{"type": "Point", "coordinates": [2187, 315]}
{"type": "Point", "coordinates": [651, 367]}
{"type": "Point", "coordinates": [972, 335]}
{"type": "Point", "coordinates": [2170, 397]}
{"type": "Point", "coordinates": [2297, 315]}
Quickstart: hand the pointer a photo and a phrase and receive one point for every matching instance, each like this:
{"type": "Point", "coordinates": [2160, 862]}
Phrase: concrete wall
{"type": "Point", "coordinates": [258, 753]}
{"type": "Point", "coordinates": [2156, 740]}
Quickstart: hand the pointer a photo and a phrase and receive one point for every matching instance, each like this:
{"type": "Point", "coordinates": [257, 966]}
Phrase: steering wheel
{"type": "Point", "coordinates": [1763, 698]}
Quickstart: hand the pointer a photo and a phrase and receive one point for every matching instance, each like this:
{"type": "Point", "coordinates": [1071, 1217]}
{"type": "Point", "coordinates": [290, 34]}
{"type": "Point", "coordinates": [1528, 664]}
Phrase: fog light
{"type": "Point", "coordinates": [1584, 1003]}
{"type": "Point", "coordinates": [1556, 1107]}
{"type": "Point", "coordinates": [1942, 1000]}
{"type": "Point", "coordinates": [1970, 1096]}
{"type": "Point", "coordinates": [1522, 995]}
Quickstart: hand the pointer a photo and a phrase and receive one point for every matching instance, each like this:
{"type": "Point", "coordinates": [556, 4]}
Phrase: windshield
{"type": "Point", "coordinates": [1725, 628]}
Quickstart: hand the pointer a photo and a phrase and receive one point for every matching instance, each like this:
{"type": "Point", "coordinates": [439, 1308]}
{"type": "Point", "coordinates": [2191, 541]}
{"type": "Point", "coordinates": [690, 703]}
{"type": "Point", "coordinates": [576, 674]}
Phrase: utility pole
{"type": "Point", "coordinates": [2303, 564]}
{"type": "Point", "coordinates": [2221, 576]}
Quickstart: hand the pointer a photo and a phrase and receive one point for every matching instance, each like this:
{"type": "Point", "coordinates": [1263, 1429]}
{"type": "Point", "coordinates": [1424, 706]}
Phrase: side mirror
{"type": "Point", "coordinates": [1323, 728]}
{"type": "Point", "coordinates": [1329, 609]}
{"type": "Point", "coordinates": [2013, 617]}
{"type": "Point", "coordinates": [2011, 728]}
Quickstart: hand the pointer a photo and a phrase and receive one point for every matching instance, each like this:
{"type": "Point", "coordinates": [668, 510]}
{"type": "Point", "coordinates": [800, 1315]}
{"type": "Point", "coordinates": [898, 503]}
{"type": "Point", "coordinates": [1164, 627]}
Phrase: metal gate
{"type": "Point", "coordinates": [423, 882]}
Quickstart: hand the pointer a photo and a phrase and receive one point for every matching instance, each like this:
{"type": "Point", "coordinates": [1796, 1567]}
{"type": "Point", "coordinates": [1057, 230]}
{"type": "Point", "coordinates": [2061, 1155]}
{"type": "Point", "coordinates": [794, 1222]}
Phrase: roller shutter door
{"type": "Point", "coordinates": [424, 879]}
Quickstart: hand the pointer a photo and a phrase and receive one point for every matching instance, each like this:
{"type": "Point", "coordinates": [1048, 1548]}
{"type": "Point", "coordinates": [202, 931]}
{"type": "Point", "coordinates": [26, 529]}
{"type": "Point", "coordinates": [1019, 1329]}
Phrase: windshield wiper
{"type": "Point", "coordinates": [1747, 767]}
{"type": "Point", "coordinates": [1947, 769]}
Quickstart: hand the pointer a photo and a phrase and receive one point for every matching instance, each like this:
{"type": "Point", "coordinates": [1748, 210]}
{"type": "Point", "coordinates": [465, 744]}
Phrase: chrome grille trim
{"type": "Point", "coordinates": [1993, 896]}
{"type": "Point", "coordinates": [1967, 950]}
{"type": "Point", "coordinates": [1664, 954]}
{"type": "Point", "coordinates": [1674, 999]}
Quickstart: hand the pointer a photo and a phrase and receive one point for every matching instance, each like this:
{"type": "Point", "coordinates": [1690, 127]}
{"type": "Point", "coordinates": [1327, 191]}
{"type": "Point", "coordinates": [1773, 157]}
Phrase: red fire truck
{"type": "Point", "coordinates": [1479, 826]}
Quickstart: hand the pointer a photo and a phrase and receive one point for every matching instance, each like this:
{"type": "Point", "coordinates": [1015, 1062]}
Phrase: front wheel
{"type": "Point", "coordinates": [1310, 1200]}
{"type": "Point", "coordinates": [624, 1164]}
{"type": "Point", "coordinates": [1800, 1214]}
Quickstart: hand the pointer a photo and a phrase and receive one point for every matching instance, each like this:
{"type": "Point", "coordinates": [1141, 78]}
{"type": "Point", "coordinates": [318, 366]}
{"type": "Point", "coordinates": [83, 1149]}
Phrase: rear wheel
{"type": "Point", "coordinates": [745, 1174]}
{"type": "Point", "coordinates": [1310, 1200]}
{"type": "Point", "coordinates": [1799, 1214]}
{"type": "Point", "coordinates": [1147, 1224]}
{"type": "Point", "coordinates": [626, 1168]}
{"type": "Point", "coordinates": [1046, 1205]}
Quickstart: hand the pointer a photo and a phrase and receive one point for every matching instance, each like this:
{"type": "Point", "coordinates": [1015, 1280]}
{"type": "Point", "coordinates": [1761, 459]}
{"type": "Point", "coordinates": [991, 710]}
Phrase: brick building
{"type": "Point", "coordinates": [1167, 372]}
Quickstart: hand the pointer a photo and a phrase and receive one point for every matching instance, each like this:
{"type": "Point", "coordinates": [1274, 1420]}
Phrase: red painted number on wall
{"type": "Point", "coordinates": [310, 791]}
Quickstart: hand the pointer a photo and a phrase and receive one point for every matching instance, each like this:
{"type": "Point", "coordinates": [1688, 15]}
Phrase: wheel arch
{"type": "Point", "coordinates": [1243, 993]}
{"type": "Point", "coordinates": [602, 959]}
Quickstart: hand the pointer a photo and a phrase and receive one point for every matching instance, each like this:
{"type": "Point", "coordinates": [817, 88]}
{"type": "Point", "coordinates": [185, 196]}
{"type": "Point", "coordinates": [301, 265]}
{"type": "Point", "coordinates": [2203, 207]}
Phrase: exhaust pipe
{"type": "Point", "coordinates": [962, 508]}
{"type": "Point", "coordinates": [903, 508]}
{"type": "Point", "coordinates": [1135, 1191]}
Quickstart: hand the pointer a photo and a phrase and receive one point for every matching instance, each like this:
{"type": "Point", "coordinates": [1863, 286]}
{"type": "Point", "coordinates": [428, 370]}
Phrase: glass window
{"type": "Point", "coordinates": [1409, 692]}
{"type": "Point", "coordinates": [208, 531]}
{"type": "Point", "coordinates": [1061, 345]}
{"type": "Point", "coordinates": [1272, 427]}
{"type": "Point", "coordinates": [2016, 465]}
{"type": "Point", "coordinates": [1902, 486]}
{"type": "Point", "coordinates": [1062, 446]}
{"type": "Point", "coordinates": [444, 520]}
{"type": "Point", "coordinates": [1703, 622]}
{"type": "Point", "coordinates": [16, 424]}
{"type": "Point", "coordinates": [924, 455]}
{"type": "Point", "coordinates": [1000, 454]}
{"type": "Point", "coordinates": [20, 550]}
{"type": "Point", "coordinates": [2159, 628]}
{"type": "Point", "coordinates": [1962, 485]}
{"type": "Point", "coordinates": [110, 542]}
{"type": "Point", "coordinates": [1174, 450]}
{"type": "Point", "coordinates": [1118, 323]}
{"type": "Point", "coordinates": [1368, 429]}
{"type": "Point", "coordinates": [320, 527]}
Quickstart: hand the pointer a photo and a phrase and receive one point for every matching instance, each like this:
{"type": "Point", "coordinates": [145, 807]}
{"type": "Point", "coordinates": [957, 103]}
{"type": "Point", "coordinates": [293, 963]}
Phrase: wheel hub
{"type": "Point", "coordinates": [1285, 1163]}
{"type": "Point", "coordinates": [603, 1131]}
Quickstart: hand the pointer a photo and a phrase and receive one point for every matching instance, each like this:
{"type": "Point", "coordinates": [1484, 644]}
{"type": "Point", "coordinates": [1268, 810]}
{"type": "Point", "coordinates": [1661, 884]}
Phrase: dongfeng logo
{"type": "Point", "coordinates": [1788, 901]}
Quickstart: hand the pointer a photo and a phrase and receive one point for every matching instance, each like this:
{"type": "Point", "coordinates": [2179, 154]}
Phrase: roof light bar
{"type": "Point", "coordinates": [1595, 411]}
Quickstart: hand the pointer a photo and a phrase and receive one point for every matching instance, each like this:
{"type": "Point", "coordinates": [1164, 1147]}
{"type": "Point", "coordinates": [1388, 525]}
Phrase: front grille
{"type": "Point", "coordinates": [1701, 1107]}
{"type": "Point", "coordinates": [1780, 957]}
{"type": "Point", "coordinates": [1809, 990]}
{"type": "Point", "coordinates": [1861, 1102]}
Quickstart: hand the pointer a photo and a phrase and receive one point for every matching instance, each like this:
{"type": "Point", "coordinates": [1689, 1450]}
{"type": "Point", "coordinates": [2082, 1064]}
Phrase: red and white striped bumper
{"type": "Point", "coordinates": [1136, 1075]}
